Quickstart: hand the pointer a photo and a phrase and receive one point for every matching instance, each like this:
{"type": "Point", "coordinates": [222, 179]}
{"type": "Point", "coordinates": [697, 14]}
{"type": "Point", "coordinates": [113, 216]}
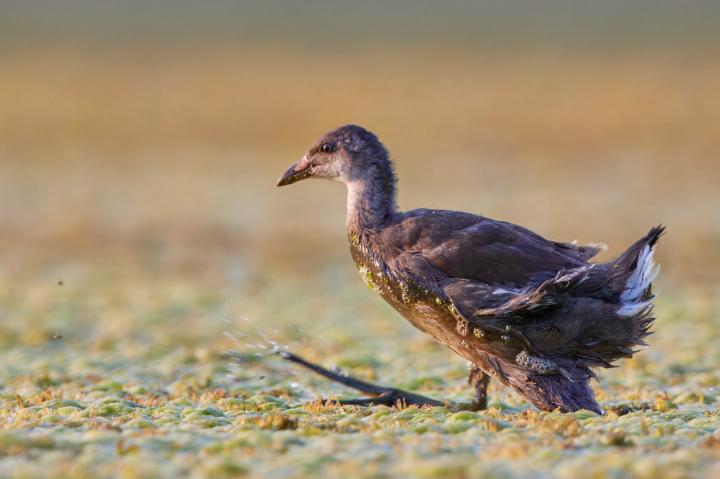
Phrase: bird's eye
{"type": "Point", "coordinates": [327, 148]}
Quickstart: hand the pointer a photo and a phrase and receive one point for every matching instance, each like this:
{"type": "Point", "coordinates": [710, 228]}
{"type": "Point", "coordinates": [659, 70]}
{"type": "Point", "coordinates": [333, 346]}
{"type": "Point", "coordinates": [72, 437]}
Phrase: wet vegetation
{"type": "Point", "coordinates": [162, 376]}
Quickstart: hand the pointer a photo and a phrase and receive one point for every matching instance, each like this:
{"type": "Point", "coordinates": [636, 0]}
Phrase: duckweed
{"type": "Point", "coordinates": [121, 397]}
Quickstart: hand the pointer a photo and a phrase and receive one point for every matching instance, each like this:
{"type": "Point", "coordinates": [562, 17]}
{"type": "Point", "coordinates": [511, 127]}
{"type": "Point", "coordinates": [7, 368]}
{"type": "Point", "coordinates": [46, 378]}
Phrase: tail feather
{"type": "Point", "coordinates": [638, 252]}
{"type": "Point", "coordinates": [635, 271]}
{"type": "Point", "coordinates": [611, 314]}
{"type": "Point", "coordinates": [627, 304]}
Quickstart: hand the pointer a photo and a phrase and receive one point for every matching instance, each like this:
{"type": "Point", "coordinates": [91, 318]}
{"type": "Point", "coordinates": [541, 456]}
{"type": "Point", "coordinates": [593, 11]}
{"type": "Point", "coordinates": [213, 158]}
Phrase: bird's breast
{"type": "Point", "coordinates": [422, 308]}
{"type": "Point", "coordinates": [418, 305]}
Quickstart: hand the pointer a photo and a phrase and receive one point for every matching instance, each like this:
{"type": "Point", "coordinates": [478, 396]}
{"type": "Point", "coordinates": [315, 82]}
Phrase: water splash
{"type": "Point", "coordinates": [260, 348]}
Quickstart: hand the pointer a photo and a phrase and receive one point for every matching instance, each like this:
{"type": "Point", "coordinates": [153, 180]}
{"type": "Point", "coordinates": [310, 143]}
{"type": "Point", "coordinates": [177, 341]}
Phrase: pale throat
{"type": "Point", "coordinates": [370, 204]}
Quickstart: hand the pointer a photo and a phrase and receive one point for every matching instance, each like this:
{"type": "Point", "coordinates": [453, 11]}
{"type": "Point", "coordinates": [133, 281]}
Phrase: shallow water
{"type": "Point", "coordinates": [165, 384]}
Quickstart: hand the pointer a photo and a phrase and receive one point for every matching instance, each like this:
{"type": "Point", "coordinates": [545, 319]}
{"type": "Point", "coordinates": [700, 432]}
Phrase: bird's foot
{"type": "Point", "coordinates": [393, 398]}
{"type": "Point", "coordinates": [381, 395]}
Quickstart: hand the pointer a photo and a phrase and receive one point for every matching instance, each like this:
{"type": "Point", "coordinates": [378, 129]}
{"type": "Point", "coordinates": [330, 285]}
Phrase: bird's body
{"type": "Point", "coordinates": [531, 313]}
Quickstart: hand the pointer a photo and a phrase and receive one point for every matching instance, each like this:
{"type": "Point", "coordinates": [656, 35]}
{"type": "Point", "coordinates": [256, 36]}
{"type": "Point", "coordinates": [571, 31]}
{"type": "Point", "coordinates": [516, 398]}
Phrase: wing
{"type": "Point", "coordinates": [496, 275]}
{"type": "Point", "coordinates": [470, 247]}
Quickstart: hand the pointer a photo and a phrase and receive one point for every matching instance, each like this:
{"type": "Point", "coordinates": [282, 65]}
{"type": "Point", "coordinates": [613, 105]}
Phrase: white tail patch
{"type": "Point", "coordinates": [633, 309]}
{"type": "Point", "coordinates": [644, 274]}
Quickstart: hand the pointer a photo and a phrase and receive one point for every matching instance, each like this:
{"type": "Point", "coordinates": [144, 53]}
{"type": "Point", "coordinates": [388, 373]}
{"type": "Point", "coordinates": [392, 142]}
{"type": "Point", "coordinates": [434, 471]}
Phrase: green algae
{"type": "Point", "coordinates": [159, 406]}
{"type": "Point", "coordinates": [368, 278]}
{"type": "Point", "coordinates": [211, 411]}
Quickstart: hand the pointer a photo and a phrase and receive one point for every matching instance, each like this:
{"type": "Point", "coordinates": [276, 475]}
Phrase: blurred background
{"type": "Point", "coordinates": [141, 140]}
{"type": "Point", "coordinates": [142, 236]}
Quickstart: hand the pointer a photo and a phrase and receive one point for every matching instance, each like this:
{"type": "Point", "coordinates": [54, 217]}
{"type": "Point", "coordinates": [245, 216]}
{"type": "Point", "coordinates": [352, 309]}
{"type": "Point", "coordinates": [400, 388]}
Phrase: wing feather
{"type": "Point", "coordinates": [470, 247]}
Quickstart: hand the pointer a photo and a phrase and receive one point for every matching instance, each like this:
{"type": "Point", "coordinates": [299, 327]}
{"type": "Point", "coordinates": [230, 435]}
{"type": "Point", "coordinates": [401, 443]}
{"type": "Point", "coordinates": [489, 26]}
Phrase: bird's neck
{"type": "Point", "coordinates": [371, 200]}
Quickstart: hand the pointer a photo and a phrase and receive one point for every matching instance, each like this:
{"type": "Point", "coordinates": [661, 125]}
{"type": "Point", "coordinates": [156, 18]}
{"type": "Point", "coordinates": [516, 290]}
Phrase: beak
{"type": "Point", "coordinates": [298, 171]}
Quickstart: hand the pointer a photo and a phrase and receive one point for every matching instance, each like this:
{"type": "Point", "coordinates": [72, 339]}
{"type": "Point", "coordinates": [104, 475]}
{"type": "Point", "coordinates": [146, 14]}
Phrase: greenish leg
{"type": "Point", "coordinates": [479, 381]}
{"type": "Point", "coordinates": [381, 395]}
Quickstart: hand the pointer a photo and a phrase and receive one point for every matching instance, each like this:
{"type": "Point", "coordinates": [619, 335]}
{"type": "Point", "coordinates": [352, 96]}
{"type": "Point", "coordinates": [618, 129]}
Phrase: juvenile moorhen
{"type": "Point", "coordinates": [532, 313]}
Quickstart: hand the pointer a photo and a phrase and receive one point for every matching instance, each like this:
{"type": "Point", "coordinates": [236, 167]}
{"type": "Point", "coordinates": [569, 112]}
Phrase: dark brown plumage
{"type": "Point", "coordinates": [531, 313]}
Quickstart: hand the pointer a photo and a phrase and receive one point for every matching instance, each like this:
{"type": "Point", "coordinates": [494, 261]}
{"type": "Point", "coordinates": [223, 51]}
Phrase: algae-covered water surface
{"type": "Point", "coordinates": [164, 377]}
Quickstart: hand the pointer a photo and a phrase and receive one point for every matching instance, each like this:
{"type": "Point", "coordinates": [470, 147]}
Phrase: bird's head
{"type": "Point", "coordinates": [345, 154]}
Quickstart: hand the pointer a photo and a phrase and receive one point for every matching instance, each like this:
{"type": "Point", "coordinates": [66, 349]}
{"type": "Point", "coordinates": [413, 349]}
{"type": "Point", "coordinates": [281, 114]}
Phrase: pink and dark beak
{"type": "Point", "coordinates": [298, 171]}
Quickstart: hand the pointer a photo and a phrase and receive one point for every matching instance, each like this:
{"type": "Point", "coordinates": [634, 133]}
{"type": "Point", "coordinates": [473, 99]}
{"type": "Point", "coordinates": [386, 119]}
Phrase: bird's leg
{"type": "Point", "coordinates": [479, 381]}
{"type": "Point", "coordinates": [380, 395]}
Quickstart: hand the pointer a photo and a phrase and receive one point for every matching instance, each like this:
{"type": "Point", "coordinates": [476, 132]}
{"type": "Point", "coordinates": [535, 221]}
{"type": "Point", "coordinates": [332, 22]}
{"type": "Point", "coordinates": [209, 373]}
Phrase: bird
{"type": "Point", "coordinates": [534, 314]}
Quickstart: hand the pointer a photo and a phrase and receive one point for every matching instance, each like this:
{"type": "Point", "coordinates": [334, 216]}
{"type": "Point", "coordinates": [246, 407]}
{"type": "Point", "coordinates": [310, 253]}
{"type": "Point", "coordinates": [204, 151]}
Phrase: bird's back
{"type": "Point", "coordinates": [470, 247]}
